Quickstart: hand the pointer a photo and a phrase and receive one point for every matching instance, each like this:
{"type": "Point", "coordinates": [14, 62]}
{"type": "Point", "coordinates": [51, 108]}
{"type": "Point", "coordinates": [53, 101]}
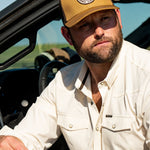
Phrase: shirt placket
{"type": "Point", "coordinates": [94, 114]}
{"type": "Point", "coordinates": [97, 117]}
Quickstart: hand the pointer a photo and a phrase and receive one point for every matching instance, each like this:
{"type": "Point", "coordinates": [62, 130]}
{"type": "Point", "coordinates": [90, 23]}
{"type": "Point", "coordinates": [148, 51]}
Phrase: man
{"type": "Point", "coordinates": [101, 103]}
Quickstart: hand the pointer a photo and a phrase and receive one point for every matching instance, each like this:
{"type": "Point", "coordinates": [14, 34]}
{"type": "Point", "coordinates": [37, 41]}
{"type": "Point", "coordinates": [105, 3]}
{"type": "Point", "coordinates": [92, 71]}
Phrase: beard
{"type": "Point", "coordinates": [98, 56]}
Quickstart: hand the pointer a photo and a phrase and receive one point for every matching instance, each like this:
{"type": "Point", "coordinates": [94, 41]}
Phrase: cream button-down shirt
{"type": "Point", "coordinates": [66, 107]}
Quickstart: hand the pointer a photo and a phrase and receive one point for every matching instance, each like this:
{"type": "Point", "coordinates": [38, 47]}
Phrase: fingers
{"type": "Point", "coordinates": [11, 143]}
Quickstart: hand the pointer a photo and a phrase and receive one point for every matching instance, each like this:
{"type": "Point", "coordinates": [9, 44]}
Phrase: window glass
{"type": "Point", "coordinates": [5, 3]}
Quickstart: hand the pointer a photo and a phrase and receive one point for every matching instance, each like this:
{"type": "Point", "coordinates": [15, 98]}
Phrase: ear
{"type": "Point", "coordinates": [65, 33]}
{"type": "Point", "coordinates": [119, 16]}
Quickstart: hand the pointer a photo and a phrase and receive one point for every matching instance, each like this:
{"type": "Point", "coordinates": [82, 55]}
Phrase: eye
{"type": "Point", "coordinates": [105, 18]}
{"type": "Point", "coordinates": [84, 25]}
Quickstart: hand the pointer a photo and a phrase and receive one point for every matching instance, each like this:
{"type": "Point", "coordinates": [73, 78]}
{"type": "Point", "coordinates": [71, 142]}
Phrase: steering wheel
{"type": "Point", "coordinates": [48, 72]}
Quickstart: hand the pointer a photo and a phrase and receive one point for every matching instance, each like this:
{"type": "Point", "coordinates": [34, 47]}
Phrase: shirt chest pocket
{"type": "Point", "coordinates": [72, 123]}
{"type": "Point", "coordinates": [117, 124]}
{"type": "Point", "coordinates": [117, 131]}
{"type": "Point", "coordinates": [75, 130]}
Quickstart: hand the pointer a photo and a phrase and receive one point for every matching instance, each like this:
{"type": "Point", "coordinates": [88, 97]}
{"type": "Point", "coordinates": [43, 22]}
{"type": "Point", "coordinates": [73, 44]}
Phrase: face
{"type": "Point", "coordinates": [98, 37]}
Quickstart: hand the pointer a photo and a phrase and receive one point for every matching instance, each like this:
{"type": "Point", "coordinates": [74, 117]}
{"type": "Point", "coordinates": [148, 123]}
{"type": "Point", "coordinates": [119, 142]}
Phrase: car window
{"type": "Point", "coordinates": [47, 37]}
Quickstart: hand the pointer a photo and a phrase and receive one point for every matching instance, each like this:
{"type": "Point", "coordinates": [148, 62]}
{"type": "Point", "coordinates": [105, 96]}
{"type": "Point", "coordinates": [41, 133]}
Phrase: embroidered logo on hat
{"type": "Point", "coordinates": [85, 1]}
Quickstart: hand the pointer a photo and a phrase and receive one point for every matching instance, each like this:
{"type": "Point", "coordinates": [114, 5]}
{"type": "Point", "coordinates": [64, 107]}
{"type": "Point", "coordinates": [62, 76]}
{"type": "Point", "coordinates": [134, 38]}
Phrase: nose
{"type": "Point", "coordinates": [99, 32]}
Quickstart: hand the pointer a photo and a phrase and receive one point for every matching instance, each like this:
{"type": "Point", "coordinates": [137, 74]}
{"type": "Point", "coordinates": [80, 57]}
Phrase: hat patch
{"type": "Point", "coordinates": [85, 1]}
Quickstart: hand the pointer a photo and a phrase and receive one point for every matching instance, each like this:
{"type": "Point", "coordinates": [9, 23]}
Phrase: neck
{"type": "Point", "coordinates": [98, 71]}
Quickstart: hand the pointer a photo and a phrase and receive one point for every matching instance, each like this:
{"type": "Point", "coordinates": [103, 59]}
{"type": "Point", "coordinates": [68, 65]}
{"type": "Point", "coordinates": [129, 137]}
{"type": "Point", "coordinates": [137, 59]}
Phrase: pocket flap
{"type": "Point", "coordinates": [72, 122]}
{"type": "Point", "coordinates": [117, 124]}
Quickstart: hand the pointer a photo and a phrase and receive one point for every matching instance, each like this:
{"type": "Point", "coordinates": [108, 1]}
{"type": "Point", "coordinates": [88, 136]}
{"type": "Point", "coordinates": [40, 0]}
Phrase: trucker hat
{"type": "Point", "coordinates": [75, 10]}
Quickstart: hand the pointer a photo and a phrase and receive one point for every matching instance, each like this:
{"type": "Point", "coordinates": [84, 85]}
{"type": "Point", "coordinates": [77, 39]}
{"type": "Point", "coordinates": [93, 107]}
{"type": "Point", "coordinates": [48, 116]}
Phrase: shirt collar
{"type": "Point", "coordinates": [83, 81]}
{"type": "Point", "coordinates": [114, 69]}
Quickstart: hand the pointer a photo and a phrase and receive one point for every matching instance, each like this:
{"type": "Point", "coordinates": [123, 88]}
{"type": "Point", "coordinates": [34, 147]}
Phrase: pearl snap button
{"type": "Point", "coordinates": [70, 125]}
{"type": "Point", "coordinates": [97, 128]}
{"type": "Point", "coordinates": [114, 126]}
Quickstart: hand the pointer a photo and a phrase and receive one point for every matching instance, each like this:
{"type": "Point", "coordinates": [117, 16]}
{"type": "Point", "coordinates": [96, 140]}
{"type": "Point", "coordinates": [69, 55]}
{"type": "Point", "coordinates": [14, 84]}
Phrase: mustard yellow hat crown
{"type": "Point", "coordinates": [75, 10]}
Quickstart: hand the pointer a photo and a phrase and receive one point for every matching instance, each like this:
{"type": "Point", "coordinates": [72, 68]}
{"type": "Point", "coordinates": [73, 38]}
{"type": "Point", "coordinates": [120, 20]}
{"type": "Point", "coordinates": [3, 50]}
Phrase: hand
{"type": "Point", "coordinates": [11, 143]}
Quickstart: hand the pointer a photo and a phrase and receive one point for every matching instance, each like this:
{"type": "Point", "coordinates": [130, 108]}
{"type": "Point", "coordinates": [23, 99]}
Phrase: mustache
{"type": "Point", "coordinates": [103, 39]}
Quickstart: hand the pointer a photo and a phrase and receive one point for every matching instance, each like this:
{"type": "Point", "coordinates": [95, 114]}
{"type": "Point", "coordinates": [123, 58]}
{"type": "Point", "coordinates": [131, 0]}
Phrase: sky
{"type": "Point", "coordinates": [133, 15]}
